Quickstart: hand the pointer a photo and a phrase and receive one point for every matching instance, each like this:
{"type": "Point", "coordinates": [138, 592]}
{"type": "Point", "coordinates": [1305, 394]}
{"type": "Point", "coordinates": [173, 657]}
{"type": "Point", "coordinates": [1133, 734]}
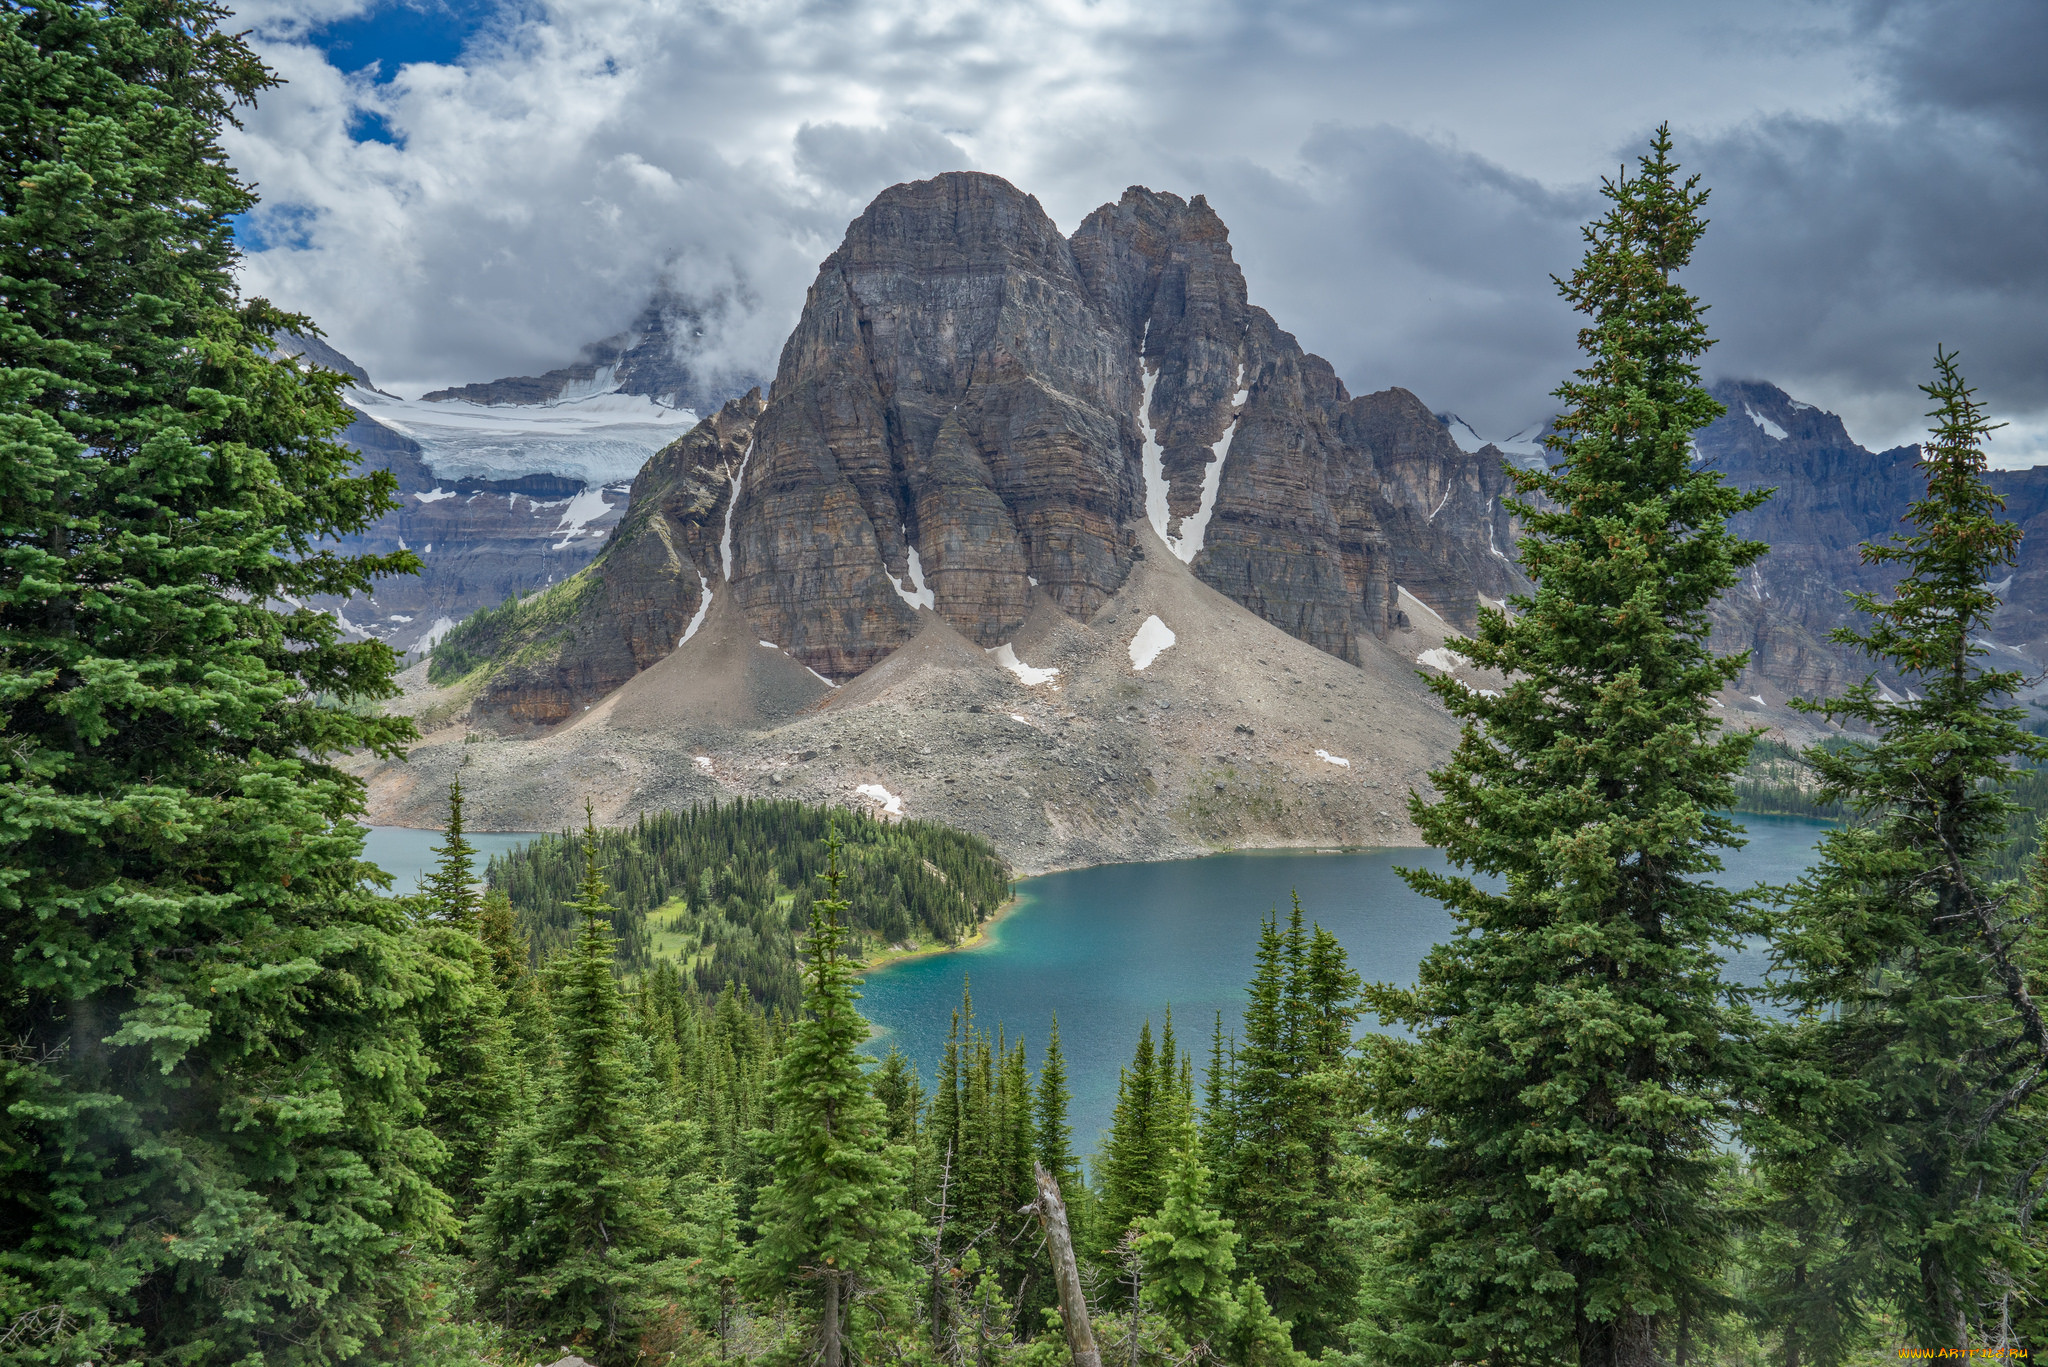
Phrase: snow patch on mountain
{"type": "Point", "coordinates": [703, 609]}
{"type": "Point", "coordinates": [917, 595]}
{"type": "Point", "coordinates": [1152, 638]}
{"type": "Point", "coordinates": [1771, 429]}
{"type": "Point", "coordinates": [1006, 656]}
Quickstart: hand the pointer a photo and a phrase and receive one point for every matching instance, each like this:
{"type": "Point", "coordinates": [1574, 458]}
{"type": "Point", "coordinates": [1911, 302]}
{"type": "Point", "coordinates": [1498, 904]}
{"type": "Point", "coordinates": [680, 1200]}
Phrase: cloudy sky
{"type": "Point", "coordinates": [461, 189]}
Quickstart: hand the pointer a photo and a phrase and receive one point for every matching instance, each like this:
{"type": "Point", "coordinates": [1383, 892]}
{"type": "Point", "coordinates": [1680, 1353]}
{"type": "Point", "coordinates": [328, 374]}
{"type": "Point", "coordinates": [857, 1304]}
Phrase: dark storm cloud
{"type": "Point", "coordinates": [1409, 262]}
{"type": "Point", "coordinates": [1400, 180]}
{"type": "Point", "coordinates": [1843, 250]}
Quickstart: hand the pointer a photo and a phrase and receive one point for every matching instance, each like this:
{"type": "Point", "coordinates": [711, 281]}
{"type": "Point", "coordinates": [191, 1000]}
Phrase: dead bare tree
{"type": "Point", "coordinates": [1051, 1211]}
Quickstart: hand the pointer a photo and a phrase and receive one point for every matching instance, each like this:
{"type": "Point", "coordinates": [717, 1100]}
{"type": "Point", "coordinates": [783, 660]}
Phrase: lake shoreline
{"type": "Point", "coordinates": [889, 958]}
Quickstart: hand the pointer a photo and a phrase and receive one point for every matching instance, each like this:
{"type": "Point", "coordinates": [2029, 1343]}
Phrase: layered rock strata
{"type": "Point", "coordinates": [975, 413]}
{"type": "Point", "coordinates": [479, 541]}
{"type": "Point", "coordinates": [1831, 496]}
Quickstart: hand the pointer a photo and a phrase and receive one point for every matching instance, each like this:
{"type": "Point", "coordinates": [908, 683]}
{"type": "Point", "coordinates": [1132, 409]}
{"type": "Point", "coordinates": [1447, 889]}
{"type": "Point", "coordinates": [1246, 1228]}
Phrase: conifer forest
{"type": "Point", "coordinates": [608, 1097]}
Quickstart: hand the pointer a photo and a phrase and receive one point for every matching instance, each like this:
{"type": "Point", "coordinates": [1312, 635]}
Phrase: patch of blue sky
{"type": "Point", "coordinates": [270, 226]}
{"type": "Point", "coordinates": [394, 33]}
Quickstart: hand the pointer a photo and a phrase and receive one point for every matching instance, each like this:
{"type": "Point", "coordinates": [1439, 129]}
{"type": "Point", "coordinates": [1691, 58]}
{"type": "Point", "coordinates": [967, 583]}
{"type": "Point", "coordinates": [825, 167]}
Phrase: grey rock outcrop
{"type": "Point", "coordinates": [975, 414]}
{"type": "Point", "coordinates": [645, 593]}
{"type": "Point", "coordinates": [973, 405]}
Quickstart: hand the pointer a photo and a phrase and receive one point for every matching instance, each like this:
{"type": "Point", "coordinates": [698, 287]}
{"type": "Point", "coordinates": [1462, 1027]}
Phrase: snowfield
{"type": "Point", "coordinates": [703, 607]}
{"type": "Point", "coordinates": [601, 439]}
{"type": "Point", "coordinates": [917, 595]}
{"type": "Point", "coordinates": [892, 805]}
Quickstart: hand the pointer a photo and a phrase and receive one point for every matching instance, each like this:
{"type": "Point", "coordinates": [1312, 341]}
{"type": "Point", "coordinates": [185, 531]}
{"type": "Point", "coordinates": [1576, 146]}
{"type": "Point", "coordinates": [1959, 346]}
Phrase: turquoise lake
{"type": "Point", "coordinates": [1109, 947]}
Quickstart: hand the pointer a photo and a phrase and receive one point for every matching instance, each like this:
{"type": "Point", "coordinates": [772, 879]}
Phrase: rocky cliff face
{"type": "Point", "coordinates": [646, 593]}
{"type": "Point", "coordinates": [1831, 496]}
{"type": "Point", "coordinates": [479, 541]}
{"type": "Point", "coordinates": [975, 414]}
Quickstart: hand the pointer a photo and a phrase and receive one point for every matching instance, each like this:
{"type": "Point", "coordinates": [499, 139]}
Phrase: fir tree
{"type": "Point", "coordinates": [1283, 1187]}
{"type": "Point", "coordinates": [834, 1215]}
{"type": "Point", "coordinates": [1907, 1126]}
{"type": "Point", "coordinates": [573, 1235]}
{"type": "Point", "coordinates": [209, 1095]}
{"type": "Point", "coordinates": [1133, 1157]}
{"type": "Point", "coordinates": [474, 1090]}
{"type": "Point", "coordinates": [526, 1009]}
{"type": "Point", "coordinates": [1219, 1086]}
{"type": "Point", "coordinates": [1547, 1140]}
{"type": "Point", "coordinates": [1187, 1252]}
{"type": "Point", "coordinates": [1052, 1138]}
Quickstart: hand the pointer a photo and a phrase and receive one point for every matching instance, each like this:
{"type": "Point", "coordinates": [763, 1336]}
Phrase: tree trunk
{"type": "Point", "coordinates": [828, 1331]}
{"type": "Point", "coordinates": [1628, 1341]}
{"type": "Point", "coordinates": [1066, 1275]}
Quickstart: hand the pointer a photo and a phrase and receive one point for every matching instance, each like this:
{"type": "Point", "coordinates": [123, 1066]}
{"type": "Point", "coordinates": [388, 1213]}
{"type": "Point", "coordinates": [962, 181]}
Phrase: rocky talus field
{"type": "Point", "coordinates": [1056, 745]}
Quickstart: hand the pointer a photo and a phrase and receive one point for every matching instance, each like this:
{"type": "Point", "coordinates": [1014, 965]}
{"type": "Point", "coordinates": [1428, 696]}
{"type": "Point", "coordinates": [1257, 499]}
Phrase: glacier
{"type": "Point", "coordinates": [599, 439]}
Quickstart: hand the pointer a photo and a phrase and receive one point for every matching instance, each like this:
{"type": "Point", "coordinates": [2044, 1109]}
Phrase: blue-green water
{"type": "Point", "coordinates": [405, 853]}
{"type": "Point", "coordinates": [1108, 947]}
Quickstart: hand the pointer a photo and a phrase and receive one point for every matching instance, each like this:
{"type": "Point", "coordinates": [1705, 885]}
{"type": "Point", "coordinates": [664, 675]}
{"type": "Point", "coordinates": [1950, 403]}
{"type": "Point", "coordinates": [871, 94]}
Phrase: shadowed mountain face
{"type": "Point", "coordinates": [973, 408]}
{"type": "Point", "coordinates": [479, 541]}
{"type": "Point", "coordinates": [975, 414]}
{"type": "Point", "coordinates": [1831, 496]}
{"type": "Point", "coordinates": [650, 359]}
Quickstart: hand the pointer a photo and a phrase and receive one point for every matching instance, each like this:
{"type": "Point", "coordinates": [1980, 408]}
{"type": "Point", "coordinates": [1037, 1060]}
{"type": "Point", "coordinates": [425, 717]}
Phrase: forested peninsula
{"type": "Point", "coordinates": [254, 1109]}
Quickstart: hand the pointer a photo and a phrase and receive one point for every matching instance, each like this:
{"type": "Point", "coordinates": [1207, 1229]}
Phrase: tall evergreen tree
{"type": "Point", "coordinates": [1283, 1186]}
{"type": "Point", "coordinates": [474, 1090]}
{"type": "Point", "coordinates": [573, 1235]}
{"type": "Point", "coordinates": [526, 1008]}
{"type": "Point", "coordinates": [834, 1215]}
{"type": "Point", "coordinates": [1219, 1087]}
{"type": "Point", "coordinates": [1547, 1139]}
{"type": "Point", "coordinates": [209, 1148]}
{"type": "Point", "coordinates": [1908, 1126]}
{"type": "Point", "coordinates": [1134, 1156]}
{"type": "Point", "coordinates": [1052, 1138]}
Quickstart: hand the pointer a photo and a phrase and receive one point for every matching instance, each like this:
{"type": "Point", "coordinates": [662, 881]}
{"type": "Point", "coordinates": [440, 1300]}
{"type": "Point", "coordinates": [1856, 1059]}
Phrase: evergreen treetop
{"type": "Point", "coordinates": [574, 1232]}
{"type": "Point", "coordinates": [1905, 1121]}
{"type": "Point", "coordinates": [209, 1102]}
{"type": "Point", "coordinates": [834, 1216]}
{"type": "Point", "coordinates": [1548, 1138]}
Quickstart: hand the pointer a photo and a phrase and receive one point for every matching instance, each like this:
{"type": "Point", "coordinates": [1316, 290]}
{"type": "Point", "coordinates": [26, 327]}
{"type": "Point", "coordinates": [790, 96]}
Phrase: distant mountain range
{"type": "Point", "coordinates": [1008, 478]}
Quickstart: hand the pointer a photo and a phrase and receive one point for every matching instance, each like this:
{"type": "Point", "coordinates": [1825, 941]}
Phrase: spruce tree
{"type": "Point", "coordinates": [834, 1216]}
{"type": "Point", "coordinates": [1907, 1123]}
{"type": "Point", "coordinates": [1219, 1087]}
{"type": "Point", "coordinates": [573, 1236]}
{"type": "Point", "coordinates": [1547, 1140]}
{"type": "Point", "coordinates": [473, 1093]}
{"type": "Point", "coordinates": [1052, 1138]}
{"type": "Point", "coordinates": [209, 1094]}
{"type": "Point", "coordinates": [1283, 1185]}
{"type": "Point", "coordinates": [1187, 1251]}
{"type": "Point", "coordinates": [526, 1009]}
{"type": "Point", "coordinates": [1133, 1157]}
